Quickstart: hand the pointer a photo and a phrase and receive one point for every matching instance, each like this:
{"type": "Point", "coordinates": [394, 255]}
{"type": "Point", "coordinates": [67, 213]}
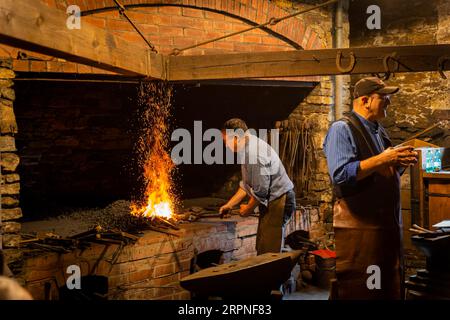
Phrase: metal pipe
{"type": "Point", "coordinates": [341, 8]}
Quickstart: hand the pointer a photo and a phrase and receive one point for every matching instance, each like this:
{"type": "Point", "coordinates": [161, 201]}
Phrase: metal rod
{"type": "Point", "coordinates": [122, 11]}
{"type": "Point", "coordinates": [423, 131]}
{"type": "Point", "coordinates": [272, 21]}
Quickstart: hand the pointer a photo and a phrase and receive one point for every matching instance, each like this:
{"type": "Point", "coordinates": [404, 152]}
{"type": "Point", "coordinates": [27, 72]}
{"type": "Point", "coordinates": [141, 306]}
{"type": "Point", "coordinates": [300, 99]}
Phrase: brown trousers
{"type": "Point", "coordinates": [368, 232]}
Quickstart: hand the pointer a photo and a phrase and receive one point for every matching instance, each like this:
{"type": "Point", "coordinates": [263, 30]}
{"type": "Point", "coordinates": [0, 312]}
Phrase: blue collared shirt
{"type": "Point", "coordinates": [263, 175]}
{"type": "Point", "coordinates": [341, 151]}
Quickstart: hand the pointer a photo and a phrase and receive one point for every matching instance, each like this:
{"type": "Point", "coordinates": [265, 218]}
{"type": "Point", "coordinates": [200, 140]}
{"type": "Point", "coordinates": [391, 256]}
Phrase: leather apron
{"type": "Point", "coordinates": [368, 229]}
{"type": "Point", "coordinates": [269, 237]}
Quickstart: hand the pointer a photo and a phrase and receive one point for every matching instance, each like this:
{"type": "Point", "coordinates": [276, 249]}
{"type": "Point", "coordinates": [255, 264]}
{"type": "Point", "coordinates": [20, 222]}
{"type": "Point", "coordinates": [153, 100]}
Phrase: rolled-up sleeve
{"type": "Point", "coordinates": [256, 182]}
{"type": "Point", "coordinates": [341, 153]}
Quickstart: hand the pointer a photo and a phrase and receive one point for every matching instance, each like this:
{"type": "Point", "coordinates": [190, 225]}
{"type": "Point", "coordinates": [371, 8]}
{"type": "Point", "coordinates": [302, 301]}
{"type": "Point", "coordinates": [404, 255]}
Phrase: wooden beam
{"type": "Point", "coordinates": [31, 25]}
{"type": "Point", "coordinates": [306, 63]}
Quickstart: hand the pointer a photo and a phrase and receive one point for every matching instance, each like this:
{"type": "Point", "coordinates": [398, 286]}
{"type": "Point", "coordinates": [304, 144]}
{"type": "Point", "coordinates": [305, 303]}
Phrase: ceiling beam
{"type": "Point", "coordinates": [31, 25]}
{"type": "Point", "coordinates": [307, 63]}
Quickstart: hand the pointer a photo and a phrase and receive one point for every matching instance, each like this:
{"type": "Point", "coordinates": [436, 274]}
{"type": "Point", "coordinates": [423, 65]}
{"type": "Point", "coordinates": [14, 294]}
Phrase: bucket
{"type": "Point", "coordinates": [325, 267]}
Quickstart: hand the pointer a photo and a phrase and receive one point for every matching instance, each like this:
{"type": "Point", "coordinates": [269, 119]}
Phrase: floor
{"type": "Point", "coordinates": [308, 293]}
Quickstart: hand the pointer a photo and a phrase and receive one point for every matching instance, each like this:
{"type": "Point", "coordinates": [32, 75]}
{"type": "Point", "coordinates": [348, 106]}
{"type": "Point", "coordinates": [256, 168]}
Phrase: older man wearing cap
{"type": "Point", "coordinates": [365, 172]}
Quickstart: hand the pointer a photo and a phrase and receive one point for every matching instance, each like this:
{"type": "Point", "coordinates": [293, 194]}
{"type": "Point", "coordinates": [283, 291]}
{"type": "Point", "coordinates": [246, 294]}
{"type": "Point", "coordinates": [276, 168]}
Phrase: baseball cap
{"type": "Point", "coordinates": [367, 86]}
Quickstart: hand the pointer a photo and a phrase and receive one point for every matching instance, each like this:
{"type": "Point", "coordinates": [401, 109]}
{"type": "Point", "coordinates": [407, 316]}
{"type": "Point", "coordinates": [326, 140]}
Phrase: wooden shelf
{"type": "Point", "coordinates": [436, 175]}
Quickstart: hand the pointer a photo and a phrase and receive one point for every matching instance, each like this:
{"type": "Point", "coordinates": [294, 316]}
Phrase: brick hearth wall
{"type": "Point", "coordinates": [9, 160]}
{"type": "Point", "coordinates": [151, 262]}
{"type": "Point", "coordinates": [75, 143]}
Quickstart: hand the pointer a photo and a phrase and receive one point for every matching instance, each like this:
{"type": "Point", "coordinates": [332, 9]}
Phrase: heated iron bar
{"type": "Point", "coordinates": [122, 11]}
{"type": "Point", "coordinates": [272, 21]}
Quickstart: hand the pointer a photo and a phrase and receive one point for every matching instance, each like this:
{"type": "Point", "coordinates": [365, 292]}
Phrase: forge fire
{"type": "Point", "coordinates": [224, 150]}
{"type": "Point", "coordinates": [153, 153]}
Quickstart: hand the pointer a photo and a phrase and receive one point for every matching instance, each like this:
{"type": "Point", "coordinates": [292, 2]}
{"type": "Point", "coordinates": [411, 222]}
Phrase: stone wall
{"type": "Point", "coordinates": [318, 111]}
{"type": "Point", "coordinates": [424, 98]}
{"type": "Point", "coordinates": [9, 160]}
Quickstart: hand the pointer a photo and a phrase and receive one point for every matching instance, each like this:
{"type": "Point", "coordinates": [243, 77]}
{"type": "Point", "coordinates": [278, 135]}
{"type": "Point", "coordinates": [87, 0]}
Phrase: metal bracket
{"type": "Point", "coordinates": [441, 63]}
{"type": "Point", "coordinates": [350, 67]}
{"type": "Point", "coordinates": [388, 71]}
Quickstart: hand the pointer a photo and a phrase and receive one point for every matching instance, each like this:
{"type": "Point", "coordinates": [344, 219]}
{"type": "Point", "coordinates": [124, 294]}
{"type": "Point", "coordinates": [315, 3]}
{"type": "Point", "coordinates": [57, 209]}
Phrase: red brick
{"type": "Point", "coordinates": [163, 281]}
{"type": "Point", "coordinates": [164, 270]}
{"type": "Point", "coordinates": [317, 44]}
{"type": "Point", "coordinates": [223, 5]}
{"type": "Point", "coordinates": [213, 34]}
{"type": "Point", "coordinates": [55, 66]}
{"type": "Point", "coordinates": [38, 66]}
{"type": "Point", "coordinates": [251, 14]}
{"type": "Point", "coordinates": [161, 40]}
{"type": "Point", "coordinates": [140, 275]}
{"type": "Point", "coordinates": [148, 28]}
{"type": "Point", "coordinates": [50, 3]}
{"type": "Point", "coordinates": [159, 20]}
{"type": "Point", "coordinates": [214, 16]}
{"type": "Point", "coordinates": [118, 25]}
{"type": "Point", "coordinates": [227, 26]}
{"type": "Point", "coordinates": [84, 69]}
{"type": "Point", "coordinates": [250, 38]}
{"type": "Point", "coordinates": [170, 31]}
{"type": "Point", "coordinates": [238, 27]}
{"type": "Point", "coordinates": [169, 10]}
{"type": "Point", "coordinates": [181, 21]}
{"type": "Point", "coordinates": [181, 42]}
{"type": "Point", "coordinates": [98, 22]}
{"type": "Point", "coordinates": [230, 7]}
{"type": "Point", "coordinates": [188, 12]}
{"type": "Point", "coordinates": [217, 4]}
{"type": "Point", "coordinates": [272, 40]}
{"type": "Point", "coordinates": [21, 65]}
{"type": "Point", "coordinates": [138, 17]}
{"type": "Point", "coordinates": [132, 37]}
{"type": "Point", "coordinates": [265, 9]}
{"type": "Point", "coordinates": [195, 33]}
{"type": "Point", "coordinates": [311, 40]}
{"type": "Point", "coordinates": [243, 10]}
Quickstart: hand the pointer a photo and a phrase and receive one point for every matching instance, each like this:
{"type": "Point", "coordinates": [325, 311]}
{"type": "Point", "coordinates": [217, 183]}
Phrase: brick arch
{"type": "Point", "coordinates": [293, 31]}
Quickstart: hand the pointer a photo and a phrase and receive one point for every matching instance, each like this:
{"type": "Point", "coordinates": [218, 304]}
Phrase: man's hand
{"type": "Point", "coordinates": [246, 210]}
{"type": "Point", "coordinates": [225, 211]}
{"type": "Point", "coordinates": [401, 156]}
{"type": "Point", "coordinates": [391, 157]}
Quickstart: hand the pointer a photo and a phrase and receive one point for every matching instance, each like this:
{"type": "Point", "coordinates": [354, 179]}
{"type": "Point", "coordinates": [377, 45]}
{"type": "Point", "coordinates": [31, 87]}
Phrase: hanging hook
{"type": "Point", "coordinates": [387, 70]}
{"type": "Point", "coordinates": [441, 63]}
{"type": "Point", "coordinates": [350, 67]}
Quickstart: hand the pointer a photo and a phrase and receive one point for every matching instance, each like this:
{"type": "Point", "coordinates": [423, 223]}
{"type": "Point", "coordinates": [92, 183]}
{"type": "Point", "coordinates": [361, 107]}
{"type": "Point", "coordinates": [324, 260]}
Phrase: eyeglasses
{"type": "Point", "coordinates": [385, 97]}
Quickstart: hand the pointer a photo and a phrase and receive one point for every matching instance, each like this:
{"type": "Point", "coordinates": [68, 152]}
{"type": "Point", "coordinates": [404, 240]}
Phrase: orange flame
{"type": "Point", "coordinates": [153, 155]}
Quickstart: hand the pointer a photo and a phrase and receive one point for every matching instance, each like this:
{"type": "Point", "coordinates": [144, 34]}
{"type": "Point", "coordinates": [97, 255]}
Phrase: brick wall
{"type": "Point", "coordinates": [75, 142]}
{"type": "Point", "coordinates": [177, 24]}
{"type": "Point", "coordinates": [150, 264]}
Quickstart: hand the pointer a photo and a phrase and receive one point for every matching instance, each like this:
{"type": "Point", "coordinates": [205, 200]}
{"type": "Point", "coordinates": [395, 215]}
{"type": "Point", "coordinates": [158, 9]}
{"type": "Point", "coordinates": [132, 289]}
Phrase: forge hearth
{"type": "Point", "coordinates": [150, 268]}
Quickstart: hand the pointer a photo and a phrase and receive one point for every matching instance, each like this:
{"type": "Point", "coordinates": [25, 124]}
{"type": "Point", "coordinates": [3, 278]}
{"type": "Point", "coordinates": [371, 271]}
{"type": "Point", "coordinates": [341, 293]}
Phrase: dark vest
{"type": "Point", "coordinates": [365, 149]}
